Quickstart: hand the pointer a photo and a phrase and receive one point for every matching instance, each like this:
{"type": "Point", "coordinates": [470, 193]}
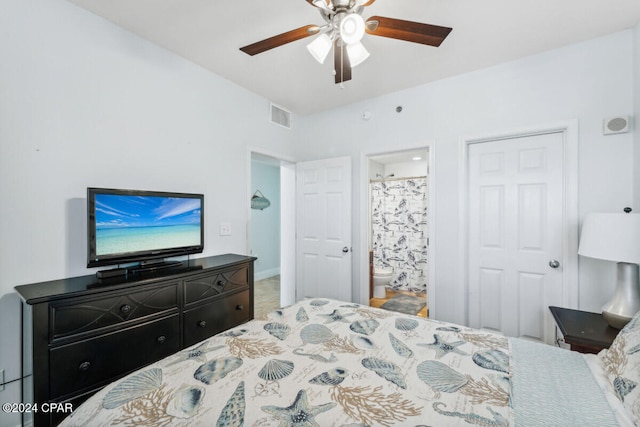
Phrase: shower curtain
{"type": "Point", "coordinates": [399, 227]}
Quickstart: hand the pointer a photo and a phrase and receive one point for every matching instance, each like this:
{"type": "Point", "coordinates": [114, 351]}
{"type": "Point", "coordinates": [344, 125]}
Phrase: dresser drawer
{"type": "Point", "coordinates": [208, 286]}
{"type": "Point", "coordinates": [217, 316]}
{"type": "Point", "coordinates": [97, 313]}
{"type": "Point", "coordinates": [95, 361]}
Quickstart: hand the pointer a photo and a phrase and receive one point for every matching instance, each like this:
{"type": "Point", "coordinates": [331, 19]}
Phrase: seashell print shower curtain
{"type": "Point", "coordinates": [399, 231]}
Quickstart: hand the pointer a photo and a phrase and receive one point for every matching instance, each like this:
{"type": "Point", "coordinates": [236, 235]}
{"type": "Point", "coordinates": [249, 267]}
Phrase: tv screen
{"type": "Point", "coordinates": [131, 225]}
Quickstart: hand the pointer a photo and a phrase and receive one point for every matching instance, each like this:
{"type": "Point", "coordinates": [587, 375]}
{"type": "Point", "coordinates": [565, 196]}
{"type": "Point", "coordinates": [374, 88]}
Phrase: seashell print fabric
{"type": "Point", "coordinates": [319, 362]}
{"type": "Point", "coordinates": [622, 364]}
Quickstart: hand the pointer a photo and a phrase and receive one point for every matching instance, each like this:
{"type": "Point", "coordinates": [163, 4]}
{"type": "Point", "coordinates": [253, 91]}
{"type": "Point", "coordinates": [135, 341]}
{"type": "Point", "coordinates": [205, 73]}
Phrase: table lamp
{"type": "Point", "coordinates": [616, 237]}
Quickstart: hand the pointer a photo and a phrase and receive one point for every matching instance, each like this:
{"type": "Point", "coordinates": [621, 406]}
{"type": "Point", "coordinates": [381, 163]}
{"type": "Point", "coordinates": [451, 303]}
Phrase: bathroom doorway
{"type": "Point", "coordinates": [399, 207]}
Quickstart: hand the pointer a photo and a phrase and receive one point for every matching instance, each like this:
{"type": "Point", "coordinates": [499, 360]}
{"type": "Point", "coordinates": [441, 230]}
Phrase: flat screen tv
{"type": "Point", "coordinates": [127, 226]}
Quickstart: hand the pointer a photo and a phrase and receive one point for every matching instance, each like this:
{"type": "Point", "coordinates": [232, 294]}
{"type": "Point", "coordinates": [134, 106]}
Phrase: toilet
{"type": "Point", "coordinates": [381, 278]}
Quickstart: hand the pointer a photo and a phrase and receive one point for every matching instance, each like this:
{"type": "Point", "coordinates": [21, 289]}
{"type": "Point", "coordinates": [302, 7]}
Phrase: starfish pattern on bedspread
{"type": "Point", "coordinates": [336, 316]}
{"type": "Point", "coordinates": [443, 347]}
{"type": "Point", "coordinates": [299, 413]}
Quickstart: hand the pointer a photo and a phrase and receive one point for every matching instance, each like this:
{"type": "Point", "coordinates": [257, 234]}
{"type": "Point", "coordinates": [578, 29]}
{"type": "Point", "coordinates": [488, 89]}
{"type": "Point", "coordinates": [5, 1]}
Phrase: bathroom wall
{"type": "Point", "coordinates": [375, 169]}
{"type": "Point", "coordinates": [407, 169]}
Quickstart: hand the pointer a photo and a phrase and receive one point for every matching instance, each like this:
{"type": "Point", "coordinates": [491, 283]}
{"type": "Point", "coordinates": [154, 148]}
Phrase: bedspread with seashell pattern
{"type": "Point", "coordinates": [319, 362]}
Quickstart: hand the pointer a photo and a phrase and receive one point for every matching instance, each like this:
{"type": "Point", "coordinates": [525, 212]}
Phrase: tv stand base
{"type": "Point", "coordinates": [112, 272]}
{"type": "Point", "coordinates": [148, 267]}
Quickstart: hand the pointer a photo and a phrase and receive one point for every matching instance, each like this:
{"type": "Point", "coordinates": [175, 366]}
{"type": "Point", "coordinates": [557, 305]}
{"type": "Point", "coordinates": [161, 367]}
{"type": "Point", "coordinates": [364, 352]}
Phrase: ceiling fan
{"type": "Point", "coordinates": [343, 32]}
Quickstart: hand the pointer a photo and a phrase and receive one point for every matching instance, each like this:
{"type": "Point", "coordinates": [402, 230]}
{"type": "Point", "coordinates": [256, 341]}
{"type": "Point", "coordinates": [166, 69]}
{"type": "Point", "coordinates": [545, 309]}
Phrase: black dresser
{"type": "Point", "coordinates": [82, 333]}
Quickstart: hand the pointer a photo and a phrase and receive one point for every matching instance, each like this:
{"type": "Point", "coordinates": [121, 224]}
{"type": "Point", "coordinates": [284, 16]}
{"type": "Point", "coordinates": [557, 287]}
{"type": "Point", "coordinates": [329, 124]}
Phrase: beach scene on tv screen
{"type": "Point", "coordinates": [126, 223]}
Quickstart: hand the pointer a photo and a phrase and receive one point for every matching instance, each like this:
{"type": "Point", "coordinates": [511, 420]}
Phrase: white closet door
{"type": "Point", "coordinates": [516, 234]}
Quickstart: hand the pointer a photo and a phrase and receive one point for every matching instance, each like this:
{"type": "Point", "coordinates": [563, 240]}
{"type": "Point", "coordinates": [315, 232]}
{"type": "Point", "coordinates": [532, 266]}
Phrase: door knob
{"type": "Point", "coordinates": [554, 263]}
{"type": "Point", "coordinates": [345, 249]}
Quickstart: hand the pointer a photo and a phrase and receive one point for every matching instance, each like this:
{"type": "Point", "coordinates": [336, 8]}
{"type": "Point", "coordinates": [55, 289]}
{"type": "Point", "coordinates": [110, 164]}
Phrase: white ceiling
{"type": "Point", "coordinates": [485, 33]}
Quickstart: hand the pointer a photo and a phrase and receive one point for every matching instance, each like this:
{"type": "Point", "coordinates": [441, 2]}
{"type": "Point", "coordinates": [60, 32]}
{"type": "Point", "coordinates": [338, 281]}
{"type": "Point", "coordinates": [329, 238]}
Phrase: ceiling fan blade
{"type": "Point", "coordinates": [280, 39]}
{"type": "Point", "coordinates": [365, 2]}
{"type": "Point", "coordinates": [341, 63]}
{"type": "Point", "coordinates": [416, 32]}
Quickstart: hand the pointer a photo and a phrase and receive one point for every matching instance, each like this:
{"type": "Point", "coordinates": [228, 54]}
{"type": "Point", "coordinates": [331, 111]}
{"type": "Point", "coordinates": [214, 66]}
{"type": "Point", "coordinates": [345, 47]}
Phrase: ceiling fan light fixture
{"type": "Point", "coordinates": [343, 33]}
{"type": "Point", "coordinates": [357, 53]}
{"type": "Point", "coordinates": [320, 47]}
{"type": "Point", "coordinates": [352, 28]}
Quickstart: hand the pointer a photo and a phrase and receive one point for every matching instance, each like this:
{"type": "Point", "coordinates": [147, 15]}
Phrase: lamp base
{"type": "Point", "coordinates": [614, 320]}
{"type": "Point", "coordinates": [626, 301]}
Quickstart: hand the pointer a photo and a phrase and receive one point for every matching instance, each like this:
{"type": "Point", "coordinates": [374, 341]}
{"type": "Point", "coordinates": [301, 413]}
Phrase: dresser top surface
{"type": "Point", "coordinates": [84, 285]}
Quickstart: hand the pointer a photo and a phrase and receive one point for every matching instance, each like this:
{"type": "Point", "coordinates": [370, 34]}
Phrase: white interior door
{"type": "Point", "coordinates": [516, 234]}
{"type": "Point", "coordinates": [323, 225]}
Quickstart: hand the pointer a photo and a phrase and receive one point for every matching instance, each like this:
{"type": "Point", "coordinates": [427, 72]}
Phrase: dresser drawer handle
{"type": "Point", "coordinates": [161, 339]}
{"type": "Point", "coordinates": [239, 307]}
{"type": "Point", "coordinates": [202, 323]}
{"type": "Point", "coordinates": [84, 366]}
{"type": "Point", "coordinates": [125, 308]}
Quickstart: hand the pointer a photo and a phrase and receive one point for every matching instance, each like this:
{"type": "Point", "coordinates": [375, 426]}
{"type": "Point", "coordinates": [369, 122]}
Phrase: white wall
{"type": "Point", "coordinates": [265, 223]}
{"type": "Point", "coordinates": [586, 81]}
{"type": "Point", "coordinates": [84, 103]}
{"type": "Point", "coordinates": [635, 120]}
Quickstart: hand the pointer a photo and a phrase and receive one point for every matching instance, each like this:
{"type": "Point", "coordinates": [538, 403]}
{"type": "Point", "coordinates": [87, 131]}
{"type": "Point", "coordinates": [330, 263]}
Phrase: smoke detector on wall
{"type": "Point", "coordinates": [617, 124]}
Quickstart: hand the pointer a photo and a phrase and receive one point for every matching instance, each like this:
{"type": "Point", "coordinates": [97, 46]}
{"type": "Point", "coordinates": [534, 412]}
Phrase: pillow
{"type": "Point", "coordinates": [622, 365]}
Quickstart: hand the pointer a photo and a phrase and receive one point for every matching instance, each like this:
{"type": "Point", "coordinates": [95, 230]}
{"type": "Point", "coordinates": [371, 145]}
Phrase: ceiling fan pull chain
{"type": "Point", "coordinates": [341, 65]}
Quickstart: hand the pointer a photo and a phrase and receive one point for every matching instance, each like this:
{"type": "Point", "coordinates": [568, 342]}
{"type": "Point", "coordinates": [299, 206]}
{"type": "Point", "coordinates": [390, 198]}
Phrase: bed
{"type": "Point", "coordinates": [322, 362]}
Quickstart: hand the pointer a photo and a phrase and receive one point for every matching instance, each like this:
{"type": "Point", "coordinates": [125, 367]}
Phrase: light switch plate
{"type": "Point", "coordinates": [225, 229]}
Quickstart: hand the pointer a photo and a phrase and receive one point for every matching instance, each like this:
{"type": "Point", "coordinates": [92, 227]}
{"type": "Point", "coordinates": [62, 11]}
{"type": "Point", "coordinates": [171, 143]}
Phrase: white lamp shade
{"type": "Point", "coordinates": [611, 236]}
{"type": "Point", "coordinates": [320, 47]}
{"type": "Point", "coordinates": [357, 54]}
{"type": "Point", "coordinates": [352, 28]}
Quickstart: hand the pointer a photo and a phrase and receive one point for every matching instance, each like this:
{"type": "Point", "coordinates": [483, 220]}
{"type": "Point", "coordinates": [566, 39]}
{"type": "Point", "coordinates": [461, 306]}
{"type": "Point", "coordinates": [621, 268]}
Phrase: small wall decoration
{"type": "Point", "coordinates": [258, 201]}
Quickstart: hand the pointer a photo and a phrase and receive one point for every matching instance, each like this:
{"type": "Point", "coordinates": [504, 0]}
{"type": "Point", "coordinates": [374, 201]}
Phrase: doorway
{"type": "Point", "coordinates": [335, 173]}
{"type": "Point", "coordinates": [398, 229]}
{"type": "Point", "coordinates": [265, 232]}
{"type": "Point", "coordinates": [270, 236]}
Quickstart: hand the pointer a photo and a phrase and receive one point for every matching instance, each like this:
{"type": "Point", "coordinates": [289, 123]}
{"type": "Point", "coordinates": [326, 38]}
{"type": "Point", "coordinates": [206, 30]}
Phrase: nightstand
{"type": "Point", "coordinates": [585, 332]}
